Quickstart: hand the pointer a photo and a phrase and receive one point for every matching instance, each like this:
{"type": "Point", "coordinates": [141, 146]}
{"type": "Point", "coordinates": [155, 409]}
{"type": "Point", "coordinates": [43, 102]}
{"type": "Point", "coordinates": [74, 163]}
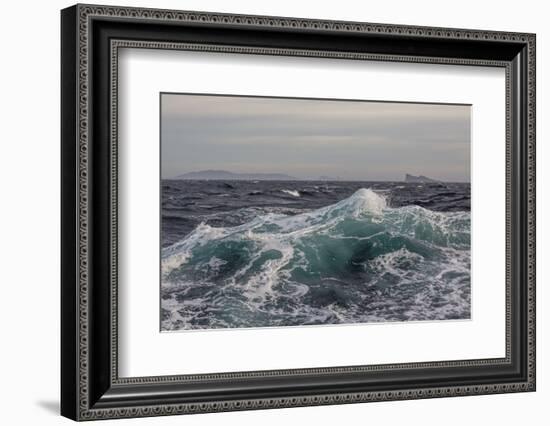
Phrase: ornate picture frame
{"type": "Point", "coordinates": [91, 37]}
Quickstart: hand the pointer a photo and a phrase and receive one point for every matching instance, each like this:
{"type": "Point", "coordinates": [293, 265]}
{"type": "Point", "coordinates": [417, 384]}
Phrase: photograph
{"type": "Point", "coordinates": [287, 209]}
{"type": "Point", "coordinates": [292, 212]}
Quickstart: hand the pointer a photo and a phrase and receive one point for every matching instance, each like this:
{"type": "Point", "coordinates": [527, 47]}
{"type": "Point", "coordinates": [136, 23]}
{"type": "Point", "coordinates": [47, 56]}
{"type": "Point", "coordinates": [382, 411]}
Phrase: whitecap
{"type": "Point", "coordinates": [292, 192]}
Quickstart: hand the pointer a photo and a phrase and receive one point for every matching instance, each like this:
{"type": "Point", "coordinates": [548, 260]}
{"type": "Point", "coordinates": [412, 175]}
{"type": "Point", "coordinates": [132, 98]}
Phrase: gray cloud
{"type": "Point", "coordinates": [309, 138]}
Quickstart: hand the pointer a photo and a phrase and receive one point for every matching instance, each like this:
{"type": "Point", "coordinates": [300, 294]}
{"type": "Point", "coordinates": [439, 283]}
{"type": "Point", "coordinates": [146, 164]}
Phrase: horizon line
{"type": "Point", "coordinates": [257, 176]}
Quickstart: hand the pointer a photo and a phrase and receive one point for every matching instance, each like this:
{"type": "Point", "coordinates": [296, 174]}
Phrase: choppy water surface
{"type": "Point", "coordinates": [269, 254]}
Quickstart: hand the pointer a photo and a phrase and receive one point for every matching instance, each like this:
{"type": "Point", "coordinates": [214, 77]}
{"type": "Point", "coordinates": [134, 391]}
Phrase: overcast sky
{"type": "Point", "coordinates": [350, 140]}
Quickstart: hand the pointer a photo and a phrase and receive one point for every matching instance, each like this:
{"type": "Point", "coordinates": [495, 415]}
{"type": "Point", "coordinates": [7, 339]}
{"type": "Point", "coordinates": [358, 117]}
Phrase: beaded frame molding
{"type": "Point", "coordinates": [91, 39]}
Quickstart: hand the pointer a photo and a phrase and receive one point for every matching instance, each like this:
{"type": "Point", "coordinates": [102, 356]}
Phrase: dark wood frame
{"type": "Point", "coordinates": [91, 37]}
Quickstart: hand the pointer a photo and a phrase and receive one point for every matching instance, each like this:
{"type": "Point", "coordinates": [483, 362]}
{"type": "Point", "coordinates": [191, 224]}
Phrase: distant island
{"type": "Point", "coordinates": [419, 179]}
{"type": "Point", "coordinates": [225, 175]}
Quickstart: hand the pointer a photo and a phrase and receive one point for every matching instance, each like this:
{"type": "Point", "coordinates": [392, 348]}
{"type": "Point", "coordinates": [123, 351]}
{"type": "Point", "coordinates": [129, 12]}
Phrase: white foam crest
{"type": "Point", "coordinates": [261, 284]}
{"type": "Point", "coordinates": [415, 220]}
{"type": "Point", "coordinates": [292, 192]}
{"type": "Point", "coordinates": [179, 253]}
{"type": "Point", "coordinates": [360, 202]}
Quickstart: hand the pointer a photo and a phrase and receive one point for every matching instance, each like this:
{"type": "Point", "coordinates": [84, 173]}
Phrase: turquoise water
{"type": "Point", "coordinates": [355, 261]}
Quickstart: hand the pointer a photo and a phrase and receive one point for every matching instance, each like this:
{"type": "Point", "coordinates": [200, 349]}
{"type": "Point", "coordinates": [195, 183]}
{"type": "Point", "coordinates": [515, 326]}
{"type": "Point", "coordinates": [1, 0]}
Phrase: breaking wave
{"type": "Point", "coordinates": [292, 192]}
{"type": "Point", "coordinates": [358, 260]}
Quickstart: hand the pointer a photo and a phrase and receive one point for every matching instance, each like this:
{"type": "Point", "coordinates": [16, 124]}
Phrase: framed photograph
{"type": "Point", "coordinates": [263, 212]}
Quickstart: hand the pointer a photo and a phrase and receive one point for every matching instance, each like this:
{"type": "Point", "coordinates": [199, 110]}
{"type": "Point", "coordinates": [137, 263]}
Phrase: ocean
{"type": "Point", "coordinates": [293, 253]}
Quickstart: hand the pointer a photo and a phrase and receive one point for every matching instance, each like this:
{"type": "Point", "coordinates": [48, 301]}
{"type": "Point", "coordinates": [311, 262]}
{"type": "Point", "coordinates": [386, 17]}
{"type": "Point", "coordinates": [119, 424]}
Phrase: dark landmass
{"type": "Point", "coordinates": [225, 175]}
{"type": "Point", "coordinates": [420, 179]}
